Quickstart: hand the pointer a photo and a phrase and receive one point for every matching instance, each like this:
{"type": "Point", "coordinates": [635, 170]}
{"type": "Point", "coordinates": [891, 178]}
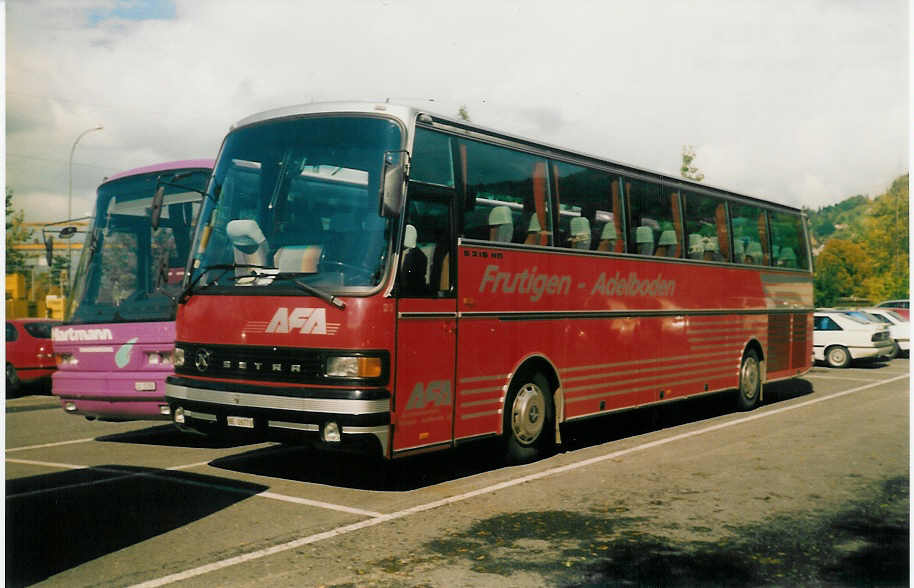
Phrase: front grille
{"type": "Point", "coordinates": [274, 364]}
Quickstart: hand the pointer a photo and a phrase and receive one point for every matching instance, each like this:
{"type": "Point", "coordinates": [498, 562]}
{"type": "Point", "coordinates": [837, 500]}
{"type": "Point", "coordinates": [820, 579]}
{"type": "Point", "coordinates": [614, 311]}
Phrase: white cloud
{"type": "Point", "coordinates": [802, 102]}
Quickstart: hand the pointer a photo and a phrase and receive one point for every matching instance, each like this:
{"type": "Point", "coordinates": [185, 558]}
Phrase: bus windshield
{"type": "Point", "coordinates": [127, 272]}
{"type": "Point", "coordinates": [298, 198]}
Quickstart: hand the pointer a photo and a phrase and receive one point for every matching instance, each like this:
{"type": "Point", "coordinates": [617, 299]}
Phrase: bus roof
{"type": "Point", "coordinates": [407, 114]}
{"type": "Point", "coordinates": [166, 166]}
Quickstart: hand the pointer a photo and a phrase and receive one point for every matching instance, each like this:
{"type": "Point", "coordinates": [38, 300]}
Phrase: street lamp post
{"type": "Point", "coordinates": [70, 192]}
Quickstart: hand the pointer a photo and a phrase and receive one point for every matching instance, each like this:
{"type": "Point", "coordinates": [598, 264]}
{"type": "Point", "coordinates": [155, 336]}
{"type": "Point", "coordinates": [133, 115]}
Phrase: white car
{"type": "Point", "coordinates": [839, 338]}
{"type": "Point", "coordinates": [899, 327]}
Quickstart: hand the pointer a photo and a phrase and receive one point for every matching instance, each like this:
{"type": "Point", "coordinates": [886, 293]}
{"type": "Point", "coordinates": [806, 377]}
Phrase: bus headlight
{"type": "Point", "coordinates": [353, 367]}
{"type": "Point", "coordinates": [65, 359]}
{"type": "Point", "coordinates": [178, 356]}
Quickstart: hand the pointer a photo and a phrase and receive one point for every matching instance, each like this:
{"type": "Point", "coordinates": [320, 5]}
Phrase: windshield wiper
{"type": "Point", "coordinates": [188, 292]}
{"type": "Point", "coordinates": [308, 288]}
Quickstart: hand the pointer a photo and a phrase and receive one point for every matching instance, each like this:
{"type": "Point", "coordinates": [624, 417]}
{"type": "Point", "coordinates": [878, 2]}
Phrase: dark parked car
{"type": "Point", "coordinates": [29, 355]}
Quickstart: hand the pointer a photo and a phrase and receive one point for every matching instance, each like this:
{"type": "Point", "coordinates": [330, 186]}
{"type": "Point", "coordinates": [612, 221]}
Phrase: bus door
{"type": "Point", "coordinates": [426, 323]}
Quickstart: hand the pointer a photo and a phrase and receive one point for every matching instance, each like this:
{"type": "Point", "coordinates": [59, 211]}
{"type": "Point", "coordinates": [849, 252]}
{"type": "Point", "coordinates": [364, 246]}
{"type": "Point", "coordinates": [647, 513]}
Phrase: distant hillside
{"type": "Point", "coordinates": [843, 220]}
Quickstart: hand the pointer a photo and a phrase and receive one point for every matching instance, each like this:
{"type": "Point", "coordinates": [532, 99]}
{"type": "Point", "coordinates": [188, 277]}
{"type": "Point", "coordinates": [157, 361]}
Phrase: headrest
{"type": "Point", "coordinates": [712, 244]}
{"type": "Point", "coordinates": [580, 227]}
{"type": "Point", "coordinates": [667, 238]}
{"type": "Point", "coordinates": [500, 215]}
{"type": "Point", "coordinates": [410, 237]}
{"type": "Point", "coordinates": [245, 234]}
{"type": "Point", "coordinates": [787, 254]}
{"type": "Point", "coordinates": [754, 248]}
{"type": "Point", "coordinates": [608, 232]}
{"type": "Point", "coordinates": [696, 243]}
{"type": "Point", "coordinates": [534, 225]}
{"type": "Point", "coordinates": [644, 234]}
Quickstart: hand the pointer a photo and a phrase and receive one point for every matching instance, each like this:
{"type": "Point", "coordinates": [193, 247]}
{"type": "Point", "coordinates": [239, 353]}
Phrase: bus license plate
{"type": "Point", "coordinates": [236, 421]}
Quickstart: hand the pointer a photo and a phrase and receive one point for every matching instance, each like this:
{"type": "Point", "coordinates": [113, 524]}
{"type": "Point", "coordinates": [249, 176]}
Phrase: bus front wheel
{"type": "Point", "coordinates": [750, 381]}
{"type": "Point", "coordinates": [529, 418]}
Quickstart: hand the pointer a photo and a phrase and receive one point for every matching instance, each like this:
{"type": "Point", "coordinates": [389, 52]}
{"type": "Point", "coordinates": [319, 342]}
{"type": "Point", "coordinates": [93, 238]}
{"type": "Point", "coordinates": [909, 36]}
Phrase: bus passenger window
{"type": "Point", "coordinates": [789, 242]}
{"type": "Point", "coordinates": [750, 234]}
{"type": "Point", "coordinates": [655, 219]}
{"type": "Point", "coordinates": [706, 226]}
{"type": "Point", "coordinates": [590, 211]}
{"type": "Point", "coordinates": [509, 190]}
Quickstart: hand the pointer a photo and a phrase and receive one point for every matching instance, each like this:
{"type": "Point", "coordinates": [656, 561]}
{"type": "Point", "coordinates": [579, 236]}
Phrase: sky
{"type": "Point", "coordinates": [803, 102]}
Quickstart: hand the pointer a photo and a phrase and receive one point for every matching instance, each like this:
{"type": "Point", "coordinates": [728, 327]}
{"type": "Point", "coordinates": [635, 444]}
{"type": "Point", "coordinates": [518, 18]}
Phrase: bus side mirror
{"type": "Point", "coordinates": [67, 232]}
{"type": "Point", "coordinates": [156, 213]}
{"type": "Point", "coordinates": [393, 176]}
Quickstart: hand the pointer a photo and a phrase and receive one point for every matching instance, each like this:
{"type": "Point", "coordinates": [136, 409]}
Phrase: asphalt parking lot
{"type": "Point", "coordinates": [810, 488]}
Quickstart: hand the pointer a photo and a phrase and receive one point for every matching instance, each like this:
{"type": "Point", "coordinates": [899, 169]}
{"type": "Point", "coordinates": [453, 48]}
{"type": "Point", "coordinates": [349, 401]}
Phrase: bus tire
{"type": "Point", "coordinates": [750, 381]}
{"type": "Point", "coordinates": [529, 418]}
{"type": "Point", "coordinates": [837, 356]}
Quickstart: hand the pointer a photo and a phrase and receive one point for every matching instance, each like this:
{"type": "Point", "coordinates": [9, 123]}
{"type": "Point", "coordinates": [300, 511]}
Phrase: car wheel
{"type": "Point", "coordinates": [837, 356]}
{"type": "Point", "coordinates": [529, 418]}
{"type": "Point", "coordinates": [894, 352]}
{"type": "Point", "coordinates": [12, 379]}
{"type": "Point", "coordinates": [750, 381]}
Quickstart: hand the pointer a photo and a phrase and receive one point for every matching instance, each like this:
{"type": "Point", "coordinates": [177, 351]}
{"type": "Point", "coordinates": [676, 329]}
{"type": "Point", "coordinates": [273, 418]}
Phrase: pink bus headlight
{"type": "Point", "coordinates": [160, 358]}
{"type": "Point", "coordinates": [63, 359]}
{"type": "Point", "coordinates": [353, 367]}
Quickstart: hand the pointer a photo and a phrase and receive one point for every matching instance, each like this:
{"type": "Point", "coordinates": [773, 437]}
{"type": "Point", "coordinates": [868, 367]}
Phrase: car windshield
{"type": "Point", "coordinates": [856, 319]}
{"type": "Point", "coordinates": [298, 197]}
{"type": "Point", "coordinates": [894, 315]}
{"type": "Point", "coordinates": [127, 272]}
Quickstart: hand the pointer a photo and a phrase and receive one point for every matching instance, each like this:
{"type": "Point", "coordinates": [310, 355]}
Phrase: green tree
{"type": "Point", "coordinates": [688, 169]}
{"type": "Point", "coordinates": [57, 274]}
{"type": "Point", "coordinates": [841, 270]}
{"type": "Point", "coordinates": [16, 233]}
{"type": "Point", "coordinates": [886, 241]}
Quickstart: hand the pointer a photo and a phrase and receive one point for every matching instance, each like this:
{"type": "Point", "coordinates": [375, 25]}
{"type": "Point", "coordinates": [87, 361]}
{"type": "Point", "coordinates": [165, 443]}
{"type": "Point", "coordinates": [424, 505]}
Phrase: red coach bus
{"type": "Point", "coordinates": [383, 279]}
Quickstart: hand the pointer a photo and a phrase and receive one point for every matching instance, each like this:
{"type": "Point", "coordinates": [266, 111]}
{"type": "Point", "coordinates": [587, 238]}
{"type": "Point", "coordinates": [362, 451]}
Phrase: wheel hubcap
{"type": "Point", "coordinates": [527, 413]}
{"type": "Point", "coordinates": [750, 377]}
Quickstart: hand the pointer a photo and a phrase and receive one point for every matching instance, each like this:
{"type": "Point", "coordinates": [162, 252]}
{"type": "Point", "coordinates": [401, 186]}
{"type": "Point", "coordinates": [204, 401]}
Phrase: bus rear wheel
{"type": "Point", "coordinates": [529, 418]}
{"type": "Point", "coordinates": [750, 381]}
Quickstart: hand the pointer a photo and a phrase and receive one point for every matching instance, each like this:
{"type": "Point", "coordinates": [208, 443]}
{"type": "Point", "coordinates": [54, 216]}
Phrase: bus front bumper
{"type": "Point", "coordinates": [331, 418]}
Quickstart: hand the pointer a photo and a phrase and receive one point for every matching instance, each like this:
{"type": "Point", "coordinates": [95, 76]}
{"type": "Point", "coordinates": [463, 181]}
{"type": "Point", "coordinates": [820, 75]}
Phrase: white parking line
{"type": "Point", "coordinates": [245, 557]}
{"type": "Point", "coordinates": [264, 494]}
{"type": "Point", "coordinates": [42, 446]}
{"type": "Point", "coordinates": [817, 376]}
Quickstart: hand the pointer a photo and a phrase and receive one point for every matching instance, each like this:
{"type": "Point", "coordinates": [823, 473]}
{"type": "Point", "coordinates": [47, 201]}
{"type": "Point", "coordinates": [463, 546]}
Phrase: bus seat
{"type": "Point", "coordinates": [667, 240]}
{"type": "Point", "coordinates": [249, 242]}
{"type": "Point", "coordinates": [738, 249]}
{"type": "Point", "coordinates": [607, 237]}
{"type": "Point", "coordinates": [414, 264]}
{"type": "Point", "coordinates": [533, 231]}
{"type": "Point", "coordinates": [501, 225]}
{"type": "Point", "coordinates": [754, 252]}
{"type": "Point", "coordinates": [644, 237]}
{"type": "Point", "coordinates": [696, 246]}
{"type": "Point", "coordinates": [580, 233]}
{"type": "Point", "coordinates": [712, 249]}
{"type": "Point", "coordinates": [297, 258]}
{"type": "Point", "coordinates": [787, 257]}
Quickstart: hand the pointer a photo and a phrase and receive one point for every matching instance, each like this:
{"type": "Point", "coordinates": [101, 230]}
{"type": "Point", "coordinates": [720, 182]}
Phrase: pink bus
{"type": "Point", "coordinates": [115, 346]}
